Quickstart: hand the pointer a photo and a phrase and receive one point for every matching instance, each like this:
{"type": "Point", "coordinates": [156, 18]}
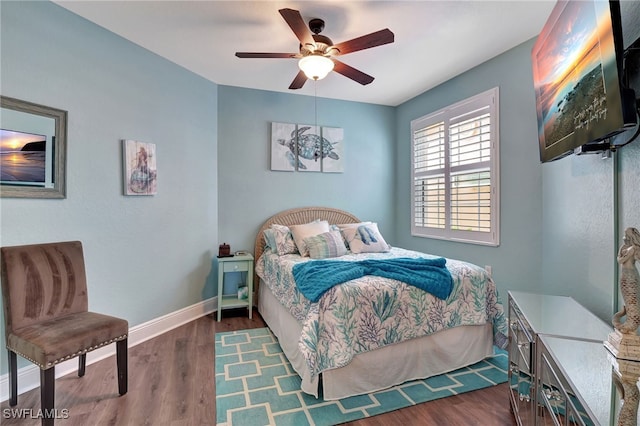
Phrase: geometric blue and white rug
{"type": "Point", "coordinates": [256, 386]}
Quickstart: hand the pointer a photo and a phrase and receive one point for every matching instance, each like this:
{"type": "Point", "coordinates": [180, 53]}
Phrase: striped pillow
{"type": "Point", "coordinates": [327, 244]}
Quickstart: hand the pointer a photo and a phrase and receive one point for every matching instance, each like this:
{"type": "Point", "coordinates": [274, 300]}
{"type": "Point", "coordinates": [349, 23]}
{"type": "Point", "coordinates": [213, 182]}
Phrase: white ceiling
{"type": "Point", "coordinates": [434, 40]}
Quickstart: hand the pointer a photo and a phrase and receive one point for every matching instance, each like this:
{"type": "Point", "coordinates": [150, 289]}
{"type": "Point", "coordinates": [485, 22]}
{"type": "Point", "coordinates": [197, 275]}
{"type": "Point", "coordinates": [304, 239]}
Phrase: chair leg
{"type": "Point", "coordinates": [82, 363]}
{"type": "Point", "coordinates": [13, 378]}
{"type": "Point", "coordinates": [121, 358]}
{"type": "Point", "coordinates": [47, 395]}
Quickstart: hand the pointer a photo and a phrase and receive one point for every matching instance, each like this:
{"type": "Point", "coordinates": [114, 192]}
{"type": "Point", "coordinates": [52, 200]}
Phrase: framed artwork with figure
{"type": "Point", "coordinates": [140, 170]}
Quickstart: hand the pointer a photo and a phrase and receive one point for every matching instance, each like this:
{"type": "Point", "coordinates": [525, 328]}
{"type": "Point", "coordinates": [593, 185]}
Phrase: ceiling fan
{"type": "Point", "coordinates": [317, 52]}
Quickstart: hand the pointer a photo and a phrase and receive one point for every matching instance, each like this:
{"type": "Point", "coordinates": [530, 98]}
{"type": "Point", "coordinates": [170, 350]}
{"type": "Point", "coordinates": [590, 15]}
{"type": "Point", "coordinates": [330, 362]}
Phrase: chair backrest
{"type": "Point", "coordinates": [42, 282]}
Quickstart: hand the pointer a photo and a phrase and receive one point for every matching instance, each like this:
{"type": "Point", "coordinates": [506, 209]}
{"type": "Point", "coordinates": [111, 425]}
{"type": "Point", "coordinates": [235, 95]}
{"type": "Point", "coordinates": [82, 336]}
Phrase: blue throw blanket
{"type": "Point", "coordinates": [314, 278]}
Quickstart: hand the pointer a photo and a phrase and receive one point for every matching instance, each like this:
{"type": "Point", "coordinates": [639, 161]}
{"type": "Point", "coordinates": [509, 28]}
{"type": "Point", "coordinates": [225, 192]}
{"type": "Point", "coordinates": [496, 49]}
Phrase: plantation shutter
{"type": "Point", "coordinates": [470, 171]}
{"type": "Point", "coordinates": [454, 172]}
{"type": "Point", "coordinates": [429, 183]}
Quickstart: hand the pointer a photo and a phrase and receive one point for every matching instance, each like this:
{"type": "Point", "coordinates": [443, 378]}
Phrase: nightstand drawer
{"type": "Point", "coordinates": [240, 266]}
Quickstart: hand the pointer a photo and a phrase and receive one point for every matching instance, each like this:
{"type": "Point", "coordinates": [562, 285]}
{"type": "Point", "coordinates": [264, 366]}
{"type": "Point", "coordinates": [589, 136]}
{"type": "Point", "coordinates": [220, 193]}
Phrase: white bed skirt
{"type": "Point", "coordinates": [391, 365]}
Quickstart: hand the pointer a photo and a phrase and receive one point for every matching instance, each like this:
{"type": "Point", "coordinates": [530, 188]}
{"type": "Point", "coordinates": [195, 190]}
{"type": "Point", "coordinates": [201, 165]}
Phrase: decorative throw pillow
{"type": "Point", "coordinates": [365, 239]}
{"type": "Point", "coordinates": [343, 226]}
{"type": "Point", "coordinates": [328, 244]}
{"type": "Point", "coordinates": [300, 232]}
{"type": "Point", "coordinates": [283, 240]}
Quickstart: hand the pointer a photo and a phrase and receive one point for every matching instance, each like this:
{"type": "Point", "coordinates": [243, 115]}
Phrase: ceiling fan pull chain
{"type": "Point", "coordinates": [315, 104]}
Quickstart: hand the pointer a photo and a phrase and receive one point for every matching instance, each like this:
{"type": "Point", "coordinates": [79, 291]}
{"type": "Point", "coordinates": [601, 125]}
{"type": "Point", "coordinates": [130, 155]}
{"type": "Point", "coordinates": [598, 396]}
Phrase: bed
{"type": "Point", "coordinates": [406, 333]}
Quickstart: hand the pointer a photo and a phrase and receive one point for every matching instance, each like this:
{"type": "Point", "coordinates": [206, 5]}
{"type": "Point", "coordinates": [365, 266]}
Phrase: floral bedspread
{"type": "Point", "coordinates": [371, 312]}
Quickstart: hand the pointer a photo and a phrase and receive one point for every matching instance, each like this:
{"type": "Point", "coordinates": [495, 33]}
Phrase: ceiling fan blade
{"type": "Point", "coordinates": [299, 81]}
{"type": "Point", "coordinates": [297, 24]}
{"type": "Point", "coordinates": [265, 55]}
{"type": "Point", "coordinates": [365, 42]}
{"type": "Point", "coordinates": [352, 73]}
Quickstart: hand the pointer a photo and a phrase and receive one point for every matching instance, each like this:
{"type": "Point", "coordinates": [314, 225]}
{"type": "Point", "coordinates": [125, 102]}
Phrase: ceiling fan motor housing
{"type": "Point", "coordinates": [316, 25]}
{"type": "Point", "coordinates": [323, 43]}
{"type": "Point", "coordinates": [322, 46]}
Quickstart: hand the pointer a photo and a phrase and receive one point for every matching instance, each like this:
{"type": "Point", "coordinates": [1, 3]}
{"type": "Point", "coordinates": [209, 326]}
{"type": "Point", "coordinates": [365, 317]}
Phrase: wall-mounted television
{"type": "Point", "coordinates": [577, 73]}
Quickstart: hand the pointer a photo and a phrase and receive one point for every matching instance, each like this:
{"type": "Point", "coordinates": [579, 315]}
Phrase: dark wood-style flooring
{"type": "Point", "coordinates": [171, 382]}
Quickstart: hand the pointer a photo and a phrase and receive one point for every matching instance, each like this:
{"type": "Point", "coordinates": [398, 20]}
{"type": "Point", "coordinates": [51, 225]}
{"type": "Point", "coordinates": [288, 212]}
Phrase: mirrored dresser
{"type": "Point", "coordinates": [560, 373]}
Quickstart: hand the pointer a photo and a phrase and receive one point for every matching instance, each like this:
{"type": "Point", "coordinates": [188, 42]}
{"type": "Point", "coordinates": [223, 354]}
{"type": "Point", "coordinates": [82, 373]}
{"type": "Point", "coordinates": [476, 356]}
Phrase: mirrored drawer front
{"type": "Point", "coordinates": [236, 266]}
{"type": "Point", "coordinates": [561, 406]}
{"type": "Point", "coordinates": [521, 343]}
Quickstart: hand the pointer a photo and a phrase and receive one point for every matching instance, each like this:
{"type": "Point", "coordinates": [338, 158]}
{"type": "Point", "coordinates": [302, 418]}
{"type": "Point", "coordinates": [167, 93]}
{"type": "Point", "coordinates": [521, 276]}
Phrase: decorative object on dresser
{"type": "Point", "coordinates": [624, 342]}
{"type": "Point", "coordinates": [241, 297]}
{"type": "Point", "coordinates": [625, 377]}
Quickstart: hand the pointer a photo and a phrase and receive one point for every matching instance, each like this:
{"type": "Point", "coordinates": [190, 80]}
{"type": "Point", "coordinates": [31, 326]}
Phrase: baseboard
{"type": "Point", "coordinates": [29, 376]}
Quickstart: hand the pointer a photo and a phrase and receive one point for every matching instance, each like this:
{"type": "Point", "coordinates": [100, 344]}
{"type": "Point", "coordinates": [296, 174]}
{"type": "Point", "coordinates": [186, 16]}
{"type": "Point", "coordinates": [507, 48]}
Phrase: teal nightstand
{"type": "Point", "coordinates": [235, 264]}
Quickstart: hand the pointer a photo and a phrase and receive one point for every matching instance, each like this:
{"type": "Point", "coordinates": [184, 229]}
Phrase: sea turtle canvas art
{"type": "Point", "coordinates": [306, 142]}
{"type": "Point", "coordinates": [335, 137]}
{"type": "Point", "coordinates": [305, 148]}
{"type": "Point", "coordinates": [280, 153]}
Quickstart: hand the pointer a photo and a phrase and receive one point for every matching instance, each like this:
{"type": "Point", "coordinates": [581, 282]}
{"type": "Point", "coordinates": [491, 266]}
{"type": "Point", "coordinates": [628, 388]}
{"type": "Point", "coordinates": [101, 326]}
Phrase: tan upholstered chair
{"type": "Point", "coordinates": [44, 292]}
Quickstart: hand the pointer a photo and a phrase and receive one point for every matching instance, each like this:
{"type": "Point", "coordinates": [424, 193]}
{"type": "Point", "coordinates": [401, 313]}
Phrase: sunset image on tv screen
{"type": "Point", "coordinates": [570, 72]}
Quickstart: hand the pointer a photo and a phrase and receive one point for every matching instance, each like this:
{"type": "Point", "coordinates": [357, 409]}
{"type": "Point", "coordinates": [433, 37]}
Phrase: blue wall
{"type": "Point", "coordinates": [249, 192]}
{"type": "Point", "coordinates": [629, 187]}
{"type": "Point", "coordinates": [145, 256]}
{"type": "Point", "coordinates": [516, 262]}
{"type": "Point", "coordinates": [579, 224]}
{"type": "Point", "coordinates": [579, 242]}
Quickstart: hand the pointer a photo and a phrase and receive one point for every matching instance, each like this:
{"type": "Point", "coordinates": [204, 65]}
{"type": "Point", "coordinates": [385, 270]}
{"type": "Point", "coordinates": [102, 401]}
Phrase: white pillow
{"type": "Point", "coordinates": [300, 232]}
{"type": "Point", "coordinates": [342, 226]}
{"type": "Point", "coordinates": [365, 239]}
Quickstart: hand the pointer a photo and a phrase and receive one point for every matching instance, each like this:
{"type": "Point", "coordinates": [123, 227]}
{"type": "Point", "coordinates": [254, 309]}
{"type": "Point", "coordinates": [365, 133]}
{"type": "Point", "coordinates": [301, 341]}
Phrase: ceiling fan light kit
{"type": "Point", "coordinates": [316, 67]}
{"type": "Point", "coordinates": [316, 50]}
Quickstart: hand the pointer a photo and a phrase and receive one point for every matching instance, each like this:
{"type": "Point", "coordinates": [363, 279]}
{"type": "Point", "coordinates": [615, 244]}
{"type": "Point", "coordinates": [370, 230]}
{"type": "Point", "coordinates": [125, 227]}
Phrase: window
{"type": "Point", "coordinates": [455, 172]}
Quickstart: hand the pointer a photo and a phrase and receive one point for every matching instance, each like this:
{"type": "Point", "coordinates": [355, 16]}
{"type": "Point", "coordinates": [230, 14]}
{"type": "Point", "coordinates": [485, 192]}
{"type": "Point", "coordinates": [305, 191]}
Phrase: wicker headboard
{"type": "Point", "coordinates": [300, 216]}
